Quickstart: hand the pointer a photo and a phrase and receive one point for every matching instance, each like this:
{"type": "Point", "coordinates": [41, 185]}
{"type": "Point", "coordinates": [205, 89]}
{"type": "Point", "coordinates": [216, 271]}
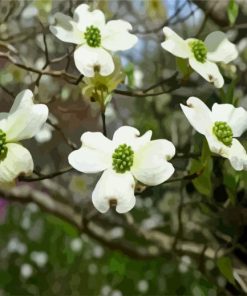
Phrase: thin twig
{"type": "Point", "coordinates": [44, 177]}
{"type": "Point", "coordinates": [104, 123]}
{"type": "Point", "coordinates": [72, 145]}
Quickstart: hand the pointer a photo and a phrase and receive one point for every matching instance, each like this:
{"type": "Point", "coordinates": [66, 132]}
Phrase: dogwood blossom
{"type": "Point", "coordinates": [123, 160]}
{"type": "Point", "coordinates": [94, 37]}
{"type": "Point", "coordinates": [202, 55]}
{"type": "Point", "coordinates": [220, 126]}
{"type": "Point", "coordinates": [22, 122]}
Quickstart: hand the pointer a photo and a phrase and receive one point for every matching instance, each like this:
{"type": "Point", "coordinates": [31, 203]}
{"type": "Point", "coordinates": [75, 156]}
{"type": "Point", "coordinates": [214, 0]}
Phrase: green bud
{"type": "Point", "coordinates": [122, 158]}
{"type": "Point", "coordinates": [93, 36]}
{"type": "Point", "coordinates": [223, 132]}
{"type": "Point", "coordinates": [199, 50]}
{"type": "Point", "coordinates": [3, 146]}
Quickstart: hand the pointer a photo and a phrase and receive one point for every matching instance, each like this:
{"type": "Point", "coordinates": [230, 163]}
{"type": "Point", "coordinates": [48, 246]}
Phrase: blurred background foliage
{"type": "Point", "coordinates": [42, 254]}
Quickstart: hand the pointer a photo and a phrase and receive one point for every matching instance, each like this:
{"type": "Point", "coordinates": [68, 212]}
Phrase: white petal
{"type": "Point", "coordinates": [18, 161]}
{"type": "Point", "coordinates": [235, 153]}
{"type": "Point", "coordinates": [94, 156]}
{"type": "Point", "coordinates": [208, 71]}
{"type": "Point", "coordinates": [23, 100]}
{"type": "Point", "coordinates": [198, 115]}
{"type": "Point", "coordinates": [88, 160]}
{"type": "Point", "coordinates": [25, 118]}
{"type": "Point", "coordinates": [237, 156]}
{"type": "Point", "coordinates": [130, 136]}
{"type": "Point", "coordinates": [125, 133]}
{"type": "Point", "coordinates": [96, 140]}
{"type": "Point", "coordinates": [87, 59]}
{"type": "Point", "coordinates": [220, 49]}
{"type": "Point", "coordinates": [66, 29]}
{"type": "Point", "coordinates": [216, 146]}
{"type": "Point", "coordinates": [115, 36]}
{"type": "Point", "coordinates": [235, 117]}
{"type": "Point", "coordinates": [114, 187]}
{"type": "Point", "coordinates": [175, 44]}
{"type": "Point", "coordinates": [150, 162]}
{"type": "Point", "coordinates": [85, 18]}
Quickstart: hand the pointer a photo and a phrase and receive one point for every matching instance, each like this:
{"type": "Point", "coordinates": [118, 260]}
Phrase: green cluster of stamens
{"type": "Point", "coordinates": [3, 147]}
{"type": "Point", "coordinates": [93, 36]}
{"type": "Point", "coordinates": [199, 50]}
{"type": "Point", "coordinates": [122, 158]}
{"type": "Point", "coordinates": [223, 132]}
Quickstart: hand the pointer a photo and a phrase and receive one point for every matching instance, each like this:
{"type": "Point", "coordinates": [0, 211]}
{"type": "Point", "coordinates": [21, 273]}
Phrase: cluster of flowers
{"type": "Point", "coordinates": [128, 158]}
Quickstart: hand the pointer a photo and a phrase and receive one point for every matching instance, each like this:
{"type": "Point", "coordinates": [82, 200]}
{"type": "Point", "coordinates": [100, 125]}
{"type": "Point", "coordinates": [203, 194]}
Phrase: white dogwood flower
{"type": "Point", "coordinates": [124, 159]}
{"type": "Point", "coordinates": [220, 127]}
{"type": "Point", "coordinates": [94, 37]}
{"type": "Point", "coordinates": [202, 55]}
{"type": "Point", "coordinates": [22, 122]}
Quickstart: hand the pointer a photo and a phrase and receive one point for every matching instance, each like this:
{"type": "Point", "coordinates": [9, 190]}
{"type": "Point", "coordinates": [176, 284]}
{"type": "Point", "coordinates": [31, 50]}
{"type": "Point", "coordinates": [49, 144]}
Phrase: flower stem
{"type": "Point", "coordinates": [103, 122]}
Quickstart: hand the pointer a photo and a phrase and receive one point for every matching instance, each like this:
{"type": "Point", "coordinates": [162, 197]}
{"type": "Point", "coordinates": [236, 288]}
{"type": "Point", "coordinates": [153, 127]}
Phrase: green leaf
{"type": "Point", "coordinates": [64, 226]}
{"type": "Point", "coordinates": [229, 95]}
{"type": "Point", "coordinates": [183, 67]}
{"type": "Point", "coordinates": [116, 265]}
{"type": "Point", "coordinates": [129, 71]}
{"type": "Point", "coordinates": [44, 8]}
{"type": "Point", "coordinates": [232, 11]}
{"type": "Point", "coordinates": [203, 183]}
{"type": "Point", "coordinates": [225, 266]}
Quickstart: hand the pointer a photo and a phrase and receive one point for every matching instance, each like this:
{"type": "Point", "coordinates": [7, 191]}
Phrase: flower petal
{"type": "Point", "coordinates": [208, 71]}
{"type": "Point", "coordinates": [25, 118]}
{"type": "Point", "coordinates": [66, 29]}
{"type": "Point", "coordinates": [198, 115]}
{"type": "Point", "coordinates": [95, 154]}
{"type": "Point", "coordinates": [85, 18]}
{"type": "Point", "coordinates": [130, 136]}
{"type": "Point", "coordinates": [125, 133]}
{"type": "Point", "coordinates": [88, 160]}
{"type": "Point", "coordinates": [175, 44]}
{"type": "Point", "coordinates": [18, 161]}
{"type": "Point", "coordinates": [235, 117]}
{"type": "Point", "coordinates": [237, 156]}
{"type": "Point", "coordinates": [216, 146]}
{"type": "Point", "coordinates": [150, 163]}
{"type": "Point", "coordinates": [23, 100]}
{"type": "Point", "coordinates": [96, 140]}
{"type": "Point", "coordinates": [88, 59]}
{"type": "Point", "coordinates": [115, 36]}
{"type": "Point", "coordinates": [220, 49]}
{"type": "Point", "coordinates": [115, 188]}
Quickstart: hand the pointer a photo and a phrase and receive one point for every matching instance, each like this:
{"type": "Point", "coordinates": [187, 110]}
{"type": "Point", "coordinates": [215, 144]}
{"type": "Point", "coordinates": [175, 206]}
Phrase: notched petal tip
{"type": "Point", "coordinates": [167, 31]}
{"type": "Point", "coordinates": [114, 190]}
{"type": "Point", "coordinates": [192, 101]}
{"type": "Point", "coordinates": [112, 203]}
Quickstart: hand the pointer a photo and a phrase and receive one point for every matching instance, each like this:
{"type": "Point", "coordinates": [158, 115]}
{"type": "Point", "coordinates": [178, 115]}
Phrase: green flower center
{"type": "Point", "coordinates": [199, 50]}
{"type": "Point", "coordinates": [92, 36]}
{"type": "Point", "coordinates": [223, 132]}
{"type": "Point", "coordinates": [3, 147]}
{"type": "Point", "coordinates": [122, 158]}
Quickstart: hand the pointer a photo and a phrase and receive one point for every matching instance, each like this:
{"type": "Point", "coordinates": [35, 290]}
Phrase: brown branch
{"type": "Point", "coordinates": [185, 178]}
{"type": "Point", "coordinates": [167, 85]}
{"type": "Point", "coordinates": [62, 74]}
{"type": "Point", "coordinates": [161, 243]}
{"type": "Point", "coordinates": [44, 177]}
{"type": "Point", "coordinates": [25, 194]}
